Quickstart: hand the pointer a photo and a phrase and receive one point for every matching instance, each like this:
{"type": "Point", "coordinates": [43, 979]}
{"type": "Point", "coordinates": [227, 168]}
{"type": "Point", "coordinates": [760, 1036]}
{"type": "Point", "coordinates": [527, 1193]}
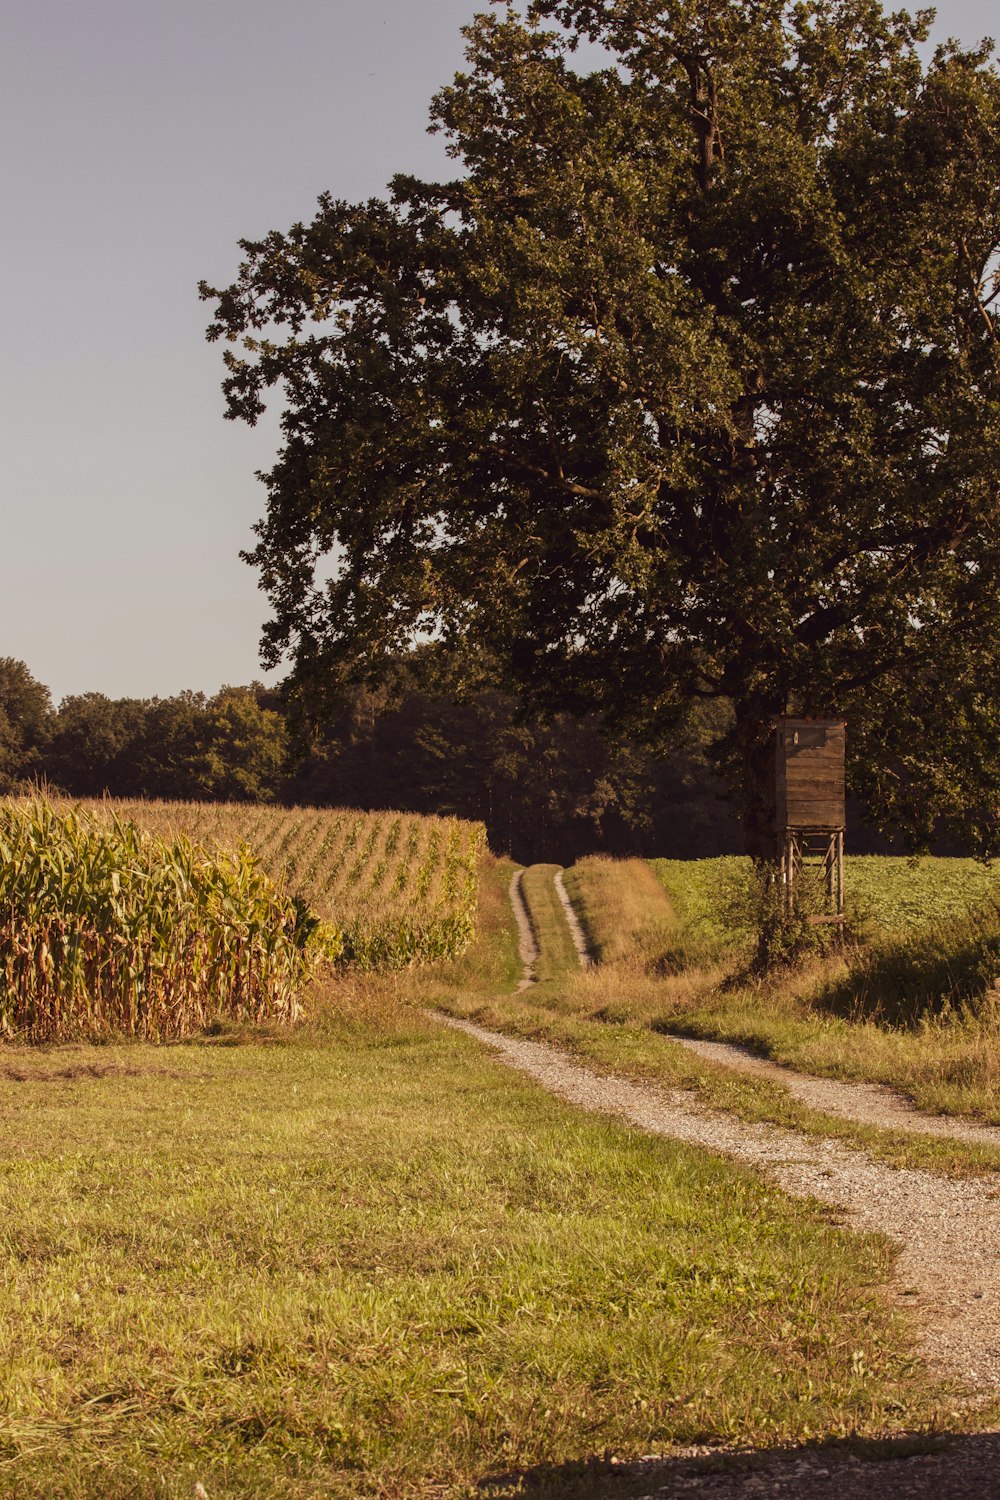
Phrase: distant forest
{"type": "Point", "coordinates": [546, 791]}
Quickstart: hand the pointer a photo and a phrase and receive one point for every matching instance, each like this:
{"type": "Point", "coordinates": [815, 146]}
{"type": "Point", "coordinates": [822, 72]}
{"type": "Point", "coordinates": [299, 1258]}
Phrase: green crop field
{"type": "Point", "coordinates": [400, 888]}
{"type": "Point", "coordinates": [891, 895]}
{"type": "Point", "coordinates": [106, 930]}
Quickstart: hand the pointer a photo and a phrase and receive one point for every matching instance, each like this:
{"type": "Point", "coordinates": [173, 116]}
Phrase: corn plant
{"type": "Point", "coordinates": [399, 888]}
{"type": "Point", "coordinates": [109, 930]}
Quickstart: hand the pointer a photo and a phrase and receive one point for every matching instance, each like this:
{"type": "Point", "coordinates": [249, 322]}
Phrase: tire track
{"type": "Point", "coordinates": [527, 946]}
{"type": "Point", "coordinates": [576, 931]}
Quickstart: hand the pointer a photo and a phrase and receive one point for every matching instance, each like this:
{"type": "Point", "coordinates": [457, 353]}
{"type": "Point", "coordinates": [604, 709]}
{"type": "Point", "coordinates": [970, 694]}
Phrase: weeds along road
{"type": "Point", "coordinates": [949, 1230]}
{"type": "Point", "coordinates": [947, 1273]}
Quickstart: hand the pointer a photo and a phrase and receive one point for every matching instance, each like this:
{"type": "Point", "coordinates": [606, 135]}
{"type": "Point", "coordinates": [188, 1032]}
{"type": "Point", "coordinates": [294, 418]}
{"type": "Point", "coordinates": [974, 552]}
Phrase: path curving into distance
{"type": "Point", "coordinates": [527, 947]}
{"type": "Point", "coordinates": [576, 931]}
{"type": "Point", "coordinates": [947, 1274]}
{"type": "Point", "coordinates": [948, 1269]}
{"type": "Point", "coordinates": [863, 1103]}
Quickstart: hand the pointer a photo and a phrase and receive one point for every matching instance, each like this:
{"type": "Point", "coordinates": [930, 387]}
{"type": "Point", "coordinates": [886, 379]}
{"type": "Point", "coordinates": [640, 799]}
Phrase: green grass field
{"type": "Point", "coordinates": [368, 1261]}
{"type": "Point", "coordinates": [885, 894]}
{"type": "Point", "coordinates": [358, 1258]}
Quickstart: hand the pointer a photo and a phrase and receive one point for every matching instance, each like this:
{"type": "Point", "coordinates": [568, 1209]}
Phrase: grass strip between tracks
{"type": "Point", "coordinates": [606, 1018]}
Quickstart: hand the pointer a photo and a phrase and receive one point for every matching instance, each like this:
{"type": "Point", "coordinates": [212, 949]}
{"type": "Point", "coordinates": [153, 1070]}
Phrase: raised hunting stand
{"type": "Point", "coordinates": [810, 807]}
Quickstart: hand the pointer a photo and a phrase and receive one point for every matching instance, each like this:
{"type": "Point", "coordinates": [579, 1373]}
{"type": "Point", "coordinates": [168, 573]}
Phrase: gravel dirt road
{"type": "Point", "coordinates": [949, 1229]}
{"type": "Point", "coordinates": [947, 1272]}
{"type": "Point", "coordinates": [577, 933]}
{"type": "Point", "coordinates": [527, 948]}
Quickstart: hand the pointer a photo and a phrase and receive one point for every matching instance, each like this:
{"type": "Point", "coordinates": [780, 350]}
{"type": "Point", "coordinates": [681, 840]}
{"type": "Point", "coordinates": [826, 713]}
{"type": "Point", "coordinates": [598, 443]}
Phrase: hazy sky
{"type": "Point", "coordinates": [143, 138]}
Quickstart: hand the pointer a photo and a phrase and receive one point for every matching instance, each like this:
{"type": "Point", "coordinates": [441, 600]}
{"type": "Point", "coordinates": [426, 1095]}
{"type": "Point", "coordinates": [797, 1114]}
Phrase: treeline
{"type": "Point", "coordinates": [545, 791]}
{"type": "Point", "coordinates": [230, 747]}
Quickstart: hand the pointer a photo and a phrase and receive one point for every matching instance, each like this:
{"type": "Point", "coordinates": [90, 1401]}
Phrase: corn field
{"type": "Point", "coordinates": [400, 888]}
{"type": "Point", "coordinates": [106, 929]}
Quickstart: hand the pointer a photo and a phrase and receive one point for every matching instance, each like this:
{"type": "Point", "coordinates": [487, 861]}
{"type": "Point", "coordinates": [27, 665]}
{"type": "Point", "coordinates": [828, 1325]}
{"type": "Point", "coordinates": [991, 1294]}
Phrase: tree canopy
{"type": "Point", "coordinates": [25, 706]}
{"type": "Point", "coordinates": [685, 387]}
{"type": "Point", "coordinates": [232, 747]}
{"type": "Point", "coordinates": [554, 790]}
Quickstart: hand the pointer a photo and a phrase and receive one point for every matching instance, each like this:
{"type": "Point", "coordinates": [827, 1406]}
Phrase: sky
{"type": "Point", "coordinates": [143, 139]}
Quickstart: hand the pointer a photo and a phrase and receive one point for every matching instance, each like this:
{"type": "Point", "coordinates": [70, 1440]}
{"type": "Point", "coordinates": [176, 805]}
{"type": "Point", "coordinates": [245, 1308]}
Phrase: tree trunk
{"type": "Point", "coordinates": [755, 741]}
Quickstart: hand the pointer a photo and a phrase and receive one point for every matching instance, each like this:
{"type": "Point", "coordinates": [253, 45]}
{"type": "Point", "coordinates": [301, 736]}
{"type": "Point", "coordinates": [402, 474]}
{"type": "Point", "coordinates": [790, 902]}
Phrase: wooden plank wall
{"type": "Point", "coordinates": [810, 773]}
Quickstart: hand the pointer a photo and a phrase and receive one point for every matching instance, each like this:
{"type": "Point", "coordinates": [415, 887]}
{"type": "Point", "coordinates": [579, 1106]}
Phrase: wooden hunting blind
{"type": "Point", "coordinates": [810, 773]}
{"type": "Point", "coordinates": [810, 807]}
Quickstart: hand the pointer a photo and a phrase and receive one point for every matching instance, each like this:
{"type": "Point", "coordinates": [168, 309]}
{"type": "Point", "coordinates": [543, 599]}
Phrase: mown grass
{"type": "Point", "coordinates": [912, 1003]}
{"type": "Point", "coordinates": [619, 1017]}
{"type": "Point", "coordinates": [612, 1026]}
{"type": "Point", "coordinates": [368, 1261]}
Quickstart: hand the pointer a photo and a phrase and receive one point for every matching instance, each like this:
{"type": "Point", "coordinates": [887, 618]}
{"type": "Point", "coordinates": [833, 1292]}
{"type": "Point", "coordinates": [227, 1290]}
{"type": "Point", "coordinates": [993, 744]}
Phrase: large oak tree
{"type": "Point", "coordinates": [685, 386]}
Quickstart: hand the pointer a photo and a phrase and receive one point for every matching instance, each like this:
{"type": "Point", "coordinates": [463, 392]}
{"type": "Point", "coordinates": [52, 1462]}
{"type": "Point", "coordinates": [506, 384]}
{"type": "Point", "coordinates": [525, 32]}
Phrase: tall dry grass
{"type": "Point", "coordinates": [623, 908]}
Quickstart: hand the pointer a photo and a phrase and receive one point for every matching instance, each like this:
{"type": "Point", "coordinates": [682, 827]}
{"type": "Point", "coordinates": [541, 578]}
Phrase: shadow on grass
{"type": "Point", "coordinates": [919, 1467]}
{"type": "Point", "coordinates": [950, 967]}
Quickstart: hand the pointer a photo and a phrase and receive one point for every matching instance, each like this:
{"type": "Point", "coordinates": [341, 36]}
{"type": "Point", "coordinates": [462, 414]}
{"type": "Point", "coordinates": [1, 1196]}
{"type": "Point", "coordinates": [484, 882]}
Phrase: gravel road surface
{"type": "Point", "coordinates": [583, 953]}
{"type": "Point", "coordinates": [946, 1273]}
{"type": "Point", "coordinates": [527, 947]}
{"type": "Point", "coordinates": [949, 1229]}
